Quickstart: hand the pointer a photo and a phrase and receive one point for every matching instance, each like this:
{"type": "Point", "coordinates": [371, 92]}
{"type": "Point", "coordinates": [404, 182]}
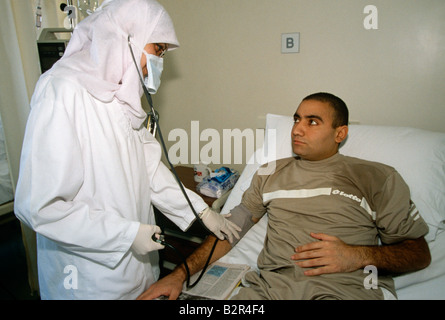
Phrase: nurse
{"type": "Point", "coordinates": [90, 171]}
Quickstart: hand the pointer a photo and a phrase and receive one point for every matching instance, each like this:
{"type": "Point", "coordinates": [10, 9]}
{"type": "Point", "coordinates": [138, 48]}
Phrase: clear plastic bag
{"type": "Point", "coordinates": [218, 183]}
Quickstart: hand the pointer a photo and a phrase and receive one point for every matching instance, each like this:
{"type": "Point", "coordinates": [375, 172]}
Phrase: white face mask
{"type": "Point", "coordinates": [155, 65]}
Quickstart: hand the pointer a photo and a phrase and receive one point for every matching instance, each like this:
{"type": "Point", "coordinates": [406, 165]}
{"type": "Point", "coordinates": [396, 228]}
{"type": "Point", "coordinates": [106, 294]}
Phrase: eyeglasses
{"type": "Point", "coordinates": [161, 49]}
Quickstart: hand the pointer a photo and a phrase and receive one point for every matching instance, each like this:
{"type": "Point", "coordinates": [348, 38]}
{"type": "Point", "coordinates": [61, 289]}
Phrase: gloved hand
{"type": "Point", "coordinates": [143, 243]}
{"type": "Point", "coordinates": [219, 225]}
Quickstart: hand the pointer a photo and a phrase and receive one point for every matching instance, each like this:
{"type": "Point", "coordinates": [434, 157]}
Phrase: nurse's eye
{"type": "Point", "coordinates": [160, 50]}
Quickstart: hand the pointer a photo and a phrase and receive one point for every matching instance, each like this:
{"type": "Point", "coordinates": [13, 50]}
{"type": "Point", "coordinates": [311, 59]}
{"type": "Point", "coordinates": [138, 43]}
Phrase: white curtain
{"type": "Point", "coordinates": [19, 71]}
{"type": "Point", "coordinates": [18, 52]}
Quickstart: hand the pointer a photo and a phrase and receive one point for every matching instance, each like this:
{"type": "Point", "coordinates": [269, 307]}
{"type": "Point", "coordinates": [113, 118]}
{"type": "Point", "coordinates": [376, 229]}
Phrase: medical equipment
{"type": "Point", "coordinates": [38, 15]}
{"type": "Point", "coordinates": [51, 46]}
{"type": "Point", "coordinates": [71, 11]}
{"type": "Point", "coordinates": [150, 123]}
{"type": "Point", "coordinates": [87, 7]}
{"type": "Point", "coordinates": [155, 65]}
{"type": "Point", "coordinates": [164, 149]}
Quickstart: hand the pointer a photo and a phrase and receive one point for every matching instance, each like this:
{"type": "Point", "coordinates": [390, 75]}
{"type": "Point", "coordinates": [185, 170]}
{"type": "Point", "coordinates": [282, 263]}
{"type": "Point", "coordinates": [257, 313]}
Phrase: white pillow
{"type": "Point", "coordinates": [418, 155]}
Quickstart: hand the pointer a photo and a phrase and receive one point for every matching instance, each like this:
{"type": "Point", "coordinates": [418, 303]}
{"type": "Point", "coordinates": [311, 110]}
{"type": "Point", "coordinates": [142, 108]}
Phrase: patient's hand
{"type": "Point", "coordinates": [170, 286]}
{"type": "Point", "coordinates": [329, 255]}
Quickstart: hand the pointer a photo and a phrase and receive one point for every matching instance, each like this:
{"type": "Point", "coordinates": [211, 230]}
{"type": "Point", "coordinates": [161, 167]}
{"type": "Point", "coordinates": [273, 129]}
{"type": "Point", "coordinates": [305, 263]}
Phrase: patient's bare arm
{"type": "Point", "coordinates": [331, 255]}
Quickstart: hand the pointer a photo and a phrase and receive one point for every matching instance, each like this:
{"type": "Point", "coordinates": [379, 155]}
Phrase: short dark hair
{"type": "Point", "coordinates": [341, 113]}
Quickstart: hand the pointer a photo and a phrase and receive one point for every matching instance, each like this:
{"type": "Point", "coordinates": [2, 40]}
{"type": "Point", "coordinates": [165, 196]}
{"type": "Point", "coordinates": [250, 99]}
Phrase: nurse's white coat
{"type": "Point", "coordinates": [87, 179]}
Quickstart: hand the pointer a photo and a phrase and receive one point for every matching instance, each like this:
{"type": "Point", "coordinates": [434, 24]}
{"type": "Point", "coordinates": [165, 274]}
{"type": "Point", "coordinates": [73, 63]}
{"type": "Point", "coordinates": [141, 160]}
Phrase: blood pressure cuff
{"type": "Point", "coordinates": [242, 217]}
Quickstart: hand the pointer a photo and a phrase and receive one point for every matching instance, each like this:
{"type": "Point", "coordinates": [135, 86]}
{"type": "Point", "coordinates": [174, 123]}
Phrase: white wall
{"type": "Point", "coordinates": [230, 70]}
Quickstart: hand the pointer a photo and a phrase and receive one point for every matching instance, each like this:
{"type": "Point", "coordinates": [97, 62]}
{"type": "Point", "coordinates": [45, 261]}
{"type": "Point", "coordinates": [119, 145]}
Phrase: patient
{"type": "Point", "coordinates": [330, 216]}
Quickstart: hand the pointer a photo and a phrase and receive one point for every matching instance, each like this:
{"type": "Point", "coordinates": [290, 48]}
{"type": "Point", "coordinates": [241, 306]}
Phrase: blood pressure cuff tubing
{"type": "Point", "coordinates": [242, 217]}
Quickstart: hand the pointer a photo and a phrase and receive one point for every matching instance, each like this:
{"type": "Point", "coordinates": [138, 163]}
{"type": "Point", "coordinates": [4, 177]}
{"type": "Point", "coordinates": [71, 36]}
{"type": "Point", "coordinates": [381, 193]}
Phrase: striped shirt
{"type": "Point", "coordinates": [358, 201]}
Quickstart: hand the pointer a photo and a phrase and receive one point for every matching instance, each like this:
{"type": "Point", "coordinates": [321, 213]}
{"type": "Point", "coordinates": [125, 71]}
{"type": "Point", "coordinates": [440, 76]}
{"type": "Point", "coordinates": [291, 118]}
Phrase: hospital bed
{"type": "Point", "coordinates": [418, 155]}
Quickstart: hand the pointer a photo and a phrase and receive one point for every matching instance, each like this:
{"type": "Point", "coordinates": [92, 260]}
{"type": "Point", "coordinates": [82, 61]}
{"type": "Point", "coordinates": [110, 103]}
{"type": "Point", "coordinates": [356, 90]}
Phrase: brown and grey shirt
{"type": "Point", "coordinates": [358, 201]}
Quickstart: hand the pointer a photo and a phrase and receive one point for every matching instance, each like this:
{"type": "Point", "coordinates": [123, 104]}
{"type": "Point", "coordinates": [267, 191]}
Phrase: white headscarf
{"type": "Point", "coordinates": [98, 56]}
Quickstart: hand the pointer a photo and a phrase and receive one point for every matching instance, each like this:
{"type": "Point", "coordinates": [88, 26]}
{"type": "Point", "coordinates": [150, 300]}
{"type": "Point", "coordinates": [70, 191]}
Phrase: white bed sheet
{"type": "Point", "coordinates": [429, 283]}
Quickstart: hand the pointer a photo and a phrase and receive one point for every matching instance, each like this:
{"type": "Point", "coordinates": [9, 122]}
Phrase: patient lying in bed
{"type": "Point", "coordinates": [327, 213]}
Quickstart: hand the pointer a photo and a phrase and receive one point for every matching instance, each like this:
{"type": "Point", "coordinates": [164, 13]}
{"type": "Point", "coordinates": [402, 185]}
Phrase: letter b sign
{"type": "Point", "coordinates": [290, 42]}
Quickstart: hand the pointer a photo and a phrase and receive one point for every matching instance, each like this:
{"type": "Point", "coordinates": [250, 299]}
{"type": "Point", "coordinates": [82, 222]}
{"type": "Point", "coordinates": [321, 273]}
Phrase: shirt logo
{"type": "Point", "coordinates": [344, 194]}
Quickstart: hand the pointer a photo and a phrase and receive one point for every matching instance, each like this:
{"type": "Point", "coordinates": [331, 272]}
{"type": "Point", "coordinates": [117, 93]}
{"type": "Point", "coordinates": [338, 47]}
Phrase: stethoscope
{"type": "Point", "coordinates": [154, 124]}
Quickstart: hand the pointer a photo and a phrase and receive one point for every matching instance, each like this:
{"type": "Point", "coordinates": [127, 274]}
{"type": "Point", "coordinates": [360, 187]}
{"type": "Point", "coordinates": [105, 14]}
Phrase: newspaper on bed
{"type": "Point", "coordinates": [217, 283]}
